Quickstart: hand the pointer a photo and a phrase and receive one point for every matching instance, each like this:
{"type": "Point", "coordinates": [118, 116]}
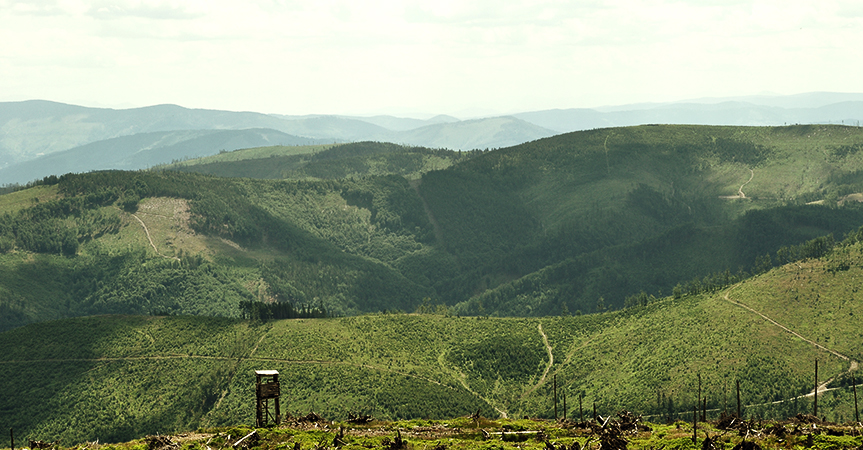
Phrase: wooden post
{"type": "Point", "coordinates": [564, 405]}
{"type": "Point", "coordinates": [738, 400]}
{"type": "Point", "coordinates": [704, 409]}
{"type": "Point", "coordinates": [698, 401]}
{"type": "Point", "coordinates": [856, 411]}
{"type": "Point", "coordinates": [580, 411]}
{"type": "Point", "coordinates": [12, 438]}
{"type": "Point", "coordinates": [700, 397]}
{"type": "Point", "coordinates": [815, 404]}
{"type": "Point", "coordinates": [554, 378]}
{"type": "Point", "coordinates": [695, 424]}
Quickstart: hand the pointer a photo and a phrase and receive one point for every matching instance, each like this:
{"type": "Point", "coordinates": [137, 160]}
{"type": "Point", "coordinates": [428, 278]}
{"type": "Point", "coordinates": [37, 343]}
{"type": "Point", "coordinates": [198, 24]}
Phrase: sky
{"type": "Point", "coordinates": [418, 57]}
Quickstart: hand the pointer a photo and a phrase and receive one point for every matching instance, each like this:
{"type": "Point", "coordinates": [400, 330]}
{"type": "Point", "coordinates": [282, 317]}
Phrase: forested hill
{"type": "Point", "coordinates": [115, 378]}
{"type": "Point", "coordinates": [574, 223]}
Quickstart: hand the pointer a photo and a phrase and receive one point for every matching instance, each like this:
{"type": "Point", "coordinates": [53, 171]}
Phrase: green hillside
{"type": "Point", "coordinates": [119, 377]}
{"type": "Point", "coordinates": [576, 223]}
{"type": "Point", "coordinates": [323, 161]}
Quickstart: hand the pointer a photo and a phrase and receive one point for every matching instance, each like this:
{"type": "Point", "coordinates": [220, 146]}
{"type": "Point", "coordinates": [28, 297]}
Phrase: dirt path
{"type": "Point", "coordinates": [462, 379]}
{"type": "Point", "coordinates": [821, 387]}
{"type": "Point", "coordinates": [740, 190]}
{"type": "Point", "coordinates": [550, 355]}
{"type": "Point", "coordinates": [252, 353]}
{"type": "Point", "coordinates": [150, 238]}
{"type": "Point", "coordinates": [740, 193]}
{"type": "Point", "coordinates": [548, 349]}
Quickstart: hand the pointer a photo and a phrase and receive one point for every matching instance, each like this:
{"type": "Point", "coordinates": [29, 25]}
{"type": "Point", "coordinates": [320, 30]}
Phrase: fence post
{"type": "Point", "coordinates": [738, 400]}
{"type": "Point", "coordinates": [555, 396]}
{"type": "Point", "coordinates": [699, 392]}
{"type": "Point", "coordinates": [580, 411]}
{"type": "Point", "coordinates": [856, 411]}
{"type": "Point", "coordinates": [695, 424]}
{"type": "Point", "coordinates": [564, 405]}
{"type": "Point", "coordinates": [815, 407]}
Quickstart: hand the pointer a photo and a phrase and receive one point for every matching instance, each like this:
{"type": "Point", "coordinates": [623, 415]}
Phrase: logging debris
{"type": "Point", "coordinates": [160, 442]}
{"type": "Point", "coordinates": [359, 418]}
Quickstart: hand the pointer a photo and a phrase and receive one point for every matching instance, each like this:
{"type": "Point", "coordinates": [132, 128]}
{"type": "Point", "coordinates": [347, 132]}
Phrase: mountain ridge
{"type": "Point", "coordinates": [575, 222]}
{"type": "Point", "coordinates": [43, 127]}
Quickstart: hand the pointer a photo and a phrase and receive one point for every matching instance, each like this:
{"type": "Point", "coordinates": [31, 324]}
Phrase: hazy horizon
{"type": "Point", "coordinates": [460, 58]}
{"type": "Point", "coordinates": [801, 100]}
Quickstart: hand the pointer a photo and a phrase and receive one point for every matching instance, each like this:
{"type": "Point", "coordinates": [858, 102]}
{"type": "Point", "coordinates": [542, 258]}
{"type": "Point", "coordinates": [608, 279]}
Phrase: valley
{"type": "Point", "coordinates": [646, 359]}
{"type": "Point", "coordinates": [625, 266]}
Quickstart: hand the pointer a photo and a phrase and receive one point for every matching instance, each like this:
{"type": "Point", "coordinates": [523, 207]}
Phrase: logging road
{"type": "Point", "coordinates": [821, 387]}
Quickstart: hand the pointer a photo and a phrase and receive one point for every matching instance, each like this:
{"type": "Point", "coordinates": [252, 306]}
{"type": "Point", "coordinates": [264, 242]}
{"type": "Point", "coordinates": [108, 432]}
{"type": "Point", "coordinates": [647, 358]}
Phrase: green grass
{"type": "Point", "coordinates": [16, 201]}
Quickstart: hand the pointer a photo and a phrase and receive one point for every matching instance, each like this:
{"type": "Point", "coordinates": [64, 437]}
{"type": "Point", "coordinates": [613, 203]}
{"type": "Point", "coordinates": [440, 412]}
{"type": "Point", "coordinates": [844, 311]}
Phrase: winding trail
{"type": "Point", "coordinates": [821, 387]}
{"type": "Point", "coordinates": [550, 355]}
{"type": "Point", "coordinates": [547, 367]}
{"type": "Point", "coordinates": [740, 190]}
{"type": "Point", "coordinates": [462, 379]}
{"type": "Point", "coordinates": [740, 193]}
{"type": "Point", "coordinates": [150, 238]}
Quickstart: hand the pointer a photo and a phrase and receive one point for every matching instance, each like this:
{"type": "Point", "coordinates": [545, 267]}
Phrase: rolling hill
{"type": "Point", "coordinates": [810, 108]}
{"type": "Point", "coordinates": [576, 223]}
{"type": "Point", "coordinates": [323, 162]}
{"type": "Point", "coordinates": [144, 150]}
{"type": "Point", "coordinates": [134, 303]}
{"type": "Point", "coordinates": [115, 378]}
{"type": "Point", "coordinates": [38, 129]}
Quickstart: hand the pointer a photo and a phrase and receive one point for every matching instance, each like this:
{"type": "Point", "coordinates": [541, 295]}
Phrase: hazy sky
{"type": "Point", "coordinates": [409, 56]}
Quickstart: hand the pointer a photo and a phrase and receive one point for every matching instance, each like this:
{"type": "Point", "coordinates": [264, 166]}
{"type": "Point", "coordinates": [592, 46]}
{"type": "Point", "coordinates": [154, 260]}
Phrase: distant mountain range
{"type": "Point", "coordinates": [760, 110]}
{"type": "Point", "coordinates": [40, 138]}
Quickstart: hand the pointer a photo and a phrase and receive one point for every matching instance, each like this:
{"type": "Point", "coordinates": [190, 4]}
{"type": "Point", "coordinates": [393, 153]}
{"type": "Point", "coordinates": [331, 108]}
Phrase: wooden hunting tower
{"type": "Point", "coordinates": [266, 387]}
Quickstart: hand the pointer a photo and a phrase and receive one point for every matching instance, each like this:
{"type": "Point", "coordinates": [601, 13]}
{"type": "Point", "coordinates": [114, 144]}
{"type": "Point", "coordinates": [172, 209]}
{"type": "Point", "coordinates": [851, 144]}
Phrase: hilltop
{"type": "Point", "coordinates": [42, 138]}
{"type": "Point", "coordinates": [332, 162]}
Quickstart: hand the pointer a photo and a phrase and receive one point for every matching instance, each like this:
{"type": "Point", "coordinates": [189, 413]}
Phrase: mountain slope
{"type": "Point", "coordinates": [144, 150]}
{"type": "Point", "coordinates": [119, 377]}
{"type": "Point", "coordinates": [324, 162]}
{"type": "Point", "coordinates": [474, 134]}
{"type": "Point", "coordinates": [36, 127]}
{"type": "Point", "coordinates": [579, 222]}
{"type": "Point", "coordinates": [847, 109]}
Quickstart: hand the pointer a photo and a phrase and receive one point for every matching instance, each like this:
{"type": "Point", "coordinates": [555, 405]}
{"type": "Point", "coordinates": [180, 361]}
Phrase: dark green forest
{"type": "Point", "coordinates": [573, 224]}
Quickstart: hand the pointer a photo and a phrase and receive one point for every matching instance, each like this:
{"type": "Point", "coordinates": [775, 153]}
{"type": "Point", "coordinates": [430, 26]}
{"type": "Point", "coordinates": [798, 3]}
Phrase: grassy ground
{"type": "Point", "coordinates": [16, 201]}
